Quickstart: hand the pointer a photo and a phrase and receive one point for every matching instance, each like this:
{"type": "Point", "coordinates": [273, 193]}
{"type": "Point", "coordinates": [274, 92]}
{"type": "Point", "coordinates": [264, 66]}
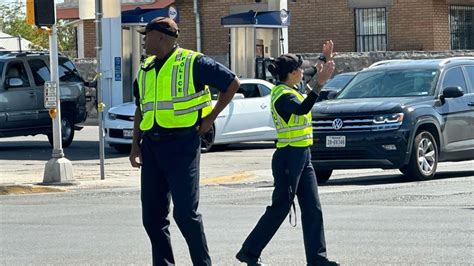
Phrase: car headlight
{"type": "Point", "coordinates": [112, 116]}
{"type": "Point", "coordinates": [392, 118]}
{"type": "Point", "coordinates": [387, 122]}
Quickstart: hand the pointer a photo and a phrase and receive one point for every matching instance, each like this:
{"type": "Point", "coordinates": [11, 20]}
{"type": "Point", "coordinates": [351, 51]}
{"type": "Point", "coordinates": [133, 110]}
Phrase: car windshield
{"type": "Point", "coordinates": [1, 68]}
{"type": "Point", "coordinates": [391, 83]}
{"type": "Point", "coordinates": [338, 82]}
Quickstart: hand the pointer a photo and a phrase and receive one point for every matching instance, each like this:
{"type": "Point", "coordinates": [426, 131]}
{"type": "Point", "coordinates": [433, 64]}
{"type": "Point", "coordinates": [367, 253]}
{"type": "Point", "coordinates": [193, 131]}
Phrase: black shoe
{"type": "Point", "coordinates": [324, 262]}
{"type": "Point", "coordinates": [249, 259]}
{"type": "Point", "coordinates": [331, 263]}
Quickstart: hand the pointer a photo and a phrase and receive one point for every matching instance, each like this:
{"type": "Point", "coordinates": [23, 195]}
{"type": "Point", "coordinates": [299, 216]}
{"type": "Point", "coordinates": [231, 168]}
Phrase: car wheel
{"type": "Point", "coordinates": [122, 148]}
{"type": "Point", "coordinates": [207, 140]}
{"type": "Point", "coordinates": [323, 175]}
{"type": "Point", "coordinates": [67, 130]}
{"type": "Point", "coordinates": [423, 159]}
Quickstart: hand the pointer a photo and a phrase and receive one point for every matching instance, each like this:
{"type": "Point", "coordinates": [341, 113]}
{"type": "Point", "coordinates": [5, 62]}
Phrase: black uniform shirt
{"type": "Point", "coordinates": [206, 71]}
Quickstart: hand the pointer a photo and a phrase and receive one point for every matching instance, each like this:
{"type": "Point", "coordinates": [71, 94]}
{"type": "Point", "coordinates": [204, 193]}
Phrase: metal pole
{"type": "Point", "coordinates": [53, 61]}
{"type": "Point", "coordinates": [100, 104]}
{"type": "Point", "coordinates": [19, 43]}
{"type": "Point", "coordinates": [58, 169]}
{"type": "Point", "coordinates": [198, 25]}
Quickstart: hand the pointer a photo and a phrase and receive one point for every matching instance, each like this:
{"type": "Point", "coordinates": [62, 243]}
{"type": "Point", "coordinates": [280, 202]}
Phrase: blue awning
{"type": "Point", "coordinates": [262, 19]}
{"type": "Point", "coordinates": [142, 16]}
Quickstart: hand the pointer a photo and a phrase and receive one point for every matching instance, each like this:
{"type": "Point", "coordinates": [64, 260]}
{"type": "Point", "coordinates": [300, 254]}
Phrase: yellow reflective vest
{"type": "Point", "coordinates": [298, 132]}
{"type": "Point", "coordinates": [169, 96]}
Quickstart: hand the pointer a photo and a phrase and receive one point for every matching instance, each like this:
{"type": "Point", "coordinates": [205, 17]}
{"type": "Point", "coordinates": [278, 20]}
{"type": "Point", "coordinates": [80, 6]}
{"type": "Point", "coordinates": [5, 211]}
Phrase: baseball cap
{"type": "Point", "coordinates": [162, 24]}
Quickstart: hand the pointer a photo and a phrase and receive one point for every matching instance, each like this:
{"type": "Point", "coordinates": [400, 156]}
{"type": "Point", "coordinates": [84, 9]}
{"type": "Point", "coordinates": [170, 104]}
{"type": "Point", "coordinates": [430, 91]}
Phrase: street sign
{"type": "Point", "coordinates": [118, 68]}
{"type": "Point", "coordinates": [50, 94]}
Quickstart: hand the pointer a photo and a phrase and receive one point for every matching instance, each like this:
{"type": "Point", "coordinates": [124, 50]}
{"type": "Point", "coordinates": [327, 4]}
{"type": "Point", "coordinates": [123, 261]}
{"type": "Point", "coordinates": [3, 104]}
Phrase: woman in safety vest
{"type": "Point", "coordinates": [293, 172]}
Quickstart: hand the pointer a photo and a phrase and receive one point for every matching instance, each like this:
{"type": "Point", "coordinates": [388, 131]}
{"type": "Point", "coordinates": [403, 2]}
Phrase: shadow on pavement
{"type": "Point", "coordinates": [389, 179]}
{"type": "Point", "coordinates": [41, 150]}
{"type": "Point", "coordinates": [243, 146]}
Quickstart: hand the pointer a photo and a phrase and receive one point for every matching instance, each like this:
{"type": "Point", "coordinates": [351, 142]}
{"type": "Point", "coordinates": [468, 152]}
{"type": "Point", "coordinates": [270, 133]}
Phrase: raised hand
{"type": "Point", "coordinates": [326, 72]}
{"type": "Point", "coordinates": [328, 48]}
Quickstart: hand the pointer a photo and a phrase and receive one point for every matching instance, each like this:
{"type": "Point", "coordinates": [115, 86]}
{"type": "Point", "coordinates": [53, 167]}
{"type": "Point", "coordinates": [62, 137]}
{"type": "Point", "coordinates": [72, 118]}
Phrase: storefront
{"type": "Point", "coordinates": [255, 36]}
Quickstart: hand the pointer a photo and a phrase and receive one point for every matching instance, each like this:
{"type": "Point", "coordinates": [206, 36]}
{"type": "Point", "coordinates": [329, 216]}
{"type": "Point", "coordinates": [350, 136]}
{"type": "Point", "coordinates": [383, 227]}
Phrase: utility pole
{"type": "Point", "coordinates": [58, 169]}
{"type": "Point", "coordinates": [100, 104]}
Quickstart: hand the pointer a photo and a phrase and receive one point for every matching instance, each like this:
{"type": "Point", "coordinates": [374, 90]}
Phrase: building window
{"type": "Point", "coordinates": [371, 29]}
{"type": "Point", "coordinates": [461, 25]}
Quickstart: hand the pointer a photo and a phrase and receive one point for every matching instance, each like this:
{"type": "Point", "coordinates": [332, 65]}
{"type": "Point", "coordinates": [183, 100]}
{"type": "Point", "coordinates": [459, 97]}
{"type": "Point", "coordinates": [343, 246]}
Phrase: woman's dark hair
{"type": "Point", "coordinates": [283, 65]}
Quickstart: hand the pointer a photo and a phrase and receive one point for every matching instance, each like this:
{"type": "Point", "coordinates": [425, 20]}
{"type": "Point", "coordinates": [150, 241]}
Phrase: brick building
{"type": "Point", "coordinates": [354, 25]}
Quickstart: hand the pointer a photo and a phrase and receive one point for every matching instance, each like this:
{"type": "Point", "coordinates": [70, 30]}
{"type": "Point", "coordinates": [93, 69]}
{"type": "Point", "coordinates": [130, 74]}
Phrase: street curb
{"type": "Point", "coordinates": [244, 177]}
{"type": "Point", "coordinates": [27, 189]}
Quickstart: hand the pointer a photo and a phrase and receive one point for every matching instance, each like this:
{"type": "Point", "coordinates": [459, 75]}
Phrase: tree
{"type": "Point", "coordinates": [14, 23]}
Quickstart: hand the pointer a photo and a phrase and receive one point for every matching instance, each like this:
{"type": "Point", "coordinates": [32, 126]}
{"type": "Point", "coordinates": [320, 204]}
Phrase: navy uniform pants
{"type": "Point", "coordinates": [170, 170]}
{"type": "Point", "coordinates": [292, 172]}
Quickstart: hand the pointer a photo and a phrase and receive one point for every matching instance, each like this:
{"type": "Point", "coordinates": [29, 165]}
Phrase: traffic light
{"type": "Point", "coordinates": [40, 13]}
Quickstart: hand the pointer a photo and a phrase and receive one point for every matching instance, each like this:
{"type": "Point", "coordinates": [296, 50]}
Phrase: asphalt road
{"type": "Point", "coordinates": [368, 222]}
{"type": "Point", "coordinates": [372, 217]}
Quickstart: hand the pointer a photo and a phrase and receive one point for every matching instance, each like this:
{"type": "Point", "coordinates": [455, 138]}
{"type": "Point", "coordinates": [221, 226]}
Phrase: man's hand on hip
{"type": "Point", "coordinates": [206, 124]}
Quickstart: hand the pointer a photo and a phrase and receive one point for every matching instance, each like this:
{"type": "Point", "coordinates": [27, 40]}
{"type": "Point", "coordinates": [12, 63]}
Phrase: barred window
{"type": "Point", "coordinates": [461, 25]}
{"type": "Point", "coordinates": [371, 29]}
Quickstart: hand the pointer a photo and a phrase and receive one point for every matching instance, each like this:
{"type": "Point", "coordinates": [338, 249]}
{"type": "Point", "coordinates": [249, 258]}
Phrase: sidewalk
{"type": "Point", "coordinates": [23, 160]}
{"type": "Point", "coordinates": [26, 176]}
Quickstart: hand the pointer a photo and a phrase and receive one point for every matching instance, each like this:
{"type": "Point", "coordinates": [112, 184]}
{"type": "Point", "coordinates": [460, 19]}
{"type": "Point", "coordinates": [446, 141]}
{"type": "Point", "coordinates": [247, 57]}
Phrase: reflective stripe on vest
{"type": "Point", "coordinates": [169, 96]}
{"type": "Point", "coordinates": [298, 131]}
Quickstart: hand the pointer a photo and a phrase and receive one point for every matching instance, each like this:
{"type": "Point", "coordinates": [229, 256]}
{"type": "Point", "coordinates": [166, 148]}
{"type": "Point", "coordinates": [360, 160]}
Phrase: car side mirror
{"type": "Point", "coordinates": [332, 94]}
{"type": "Point", "coordinates": [452, 92]}
{"type": "Point", "coordinates": [238, 96]}
{"type": "Point", "coordinates": [14, 82]}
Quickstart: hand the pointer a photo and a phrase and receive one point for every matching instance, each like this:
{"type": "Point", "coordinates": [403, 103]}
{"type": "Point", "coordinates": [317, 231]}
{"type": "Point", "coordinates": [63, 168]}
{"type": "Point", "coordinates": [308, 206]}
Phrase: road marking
{"type": "Point", "coordinates": [237, 178]}
{"type": "Point", "coordinates": [22, 189]}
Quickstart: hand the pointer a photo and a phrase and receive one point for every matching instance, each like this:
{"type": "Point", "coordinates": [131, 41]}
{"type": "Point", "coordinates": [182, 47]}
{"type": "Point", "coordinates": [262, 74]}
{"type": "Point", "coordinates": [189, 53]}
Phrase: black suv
{"type": "Point", "coordinates": [22, 111]}
{"type": "Point", "coordinates": [407, 115]}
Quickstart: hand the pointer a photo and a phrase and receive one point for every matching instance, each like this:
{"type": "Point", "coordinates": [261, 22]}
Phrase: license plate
{"type": "Point", "coordinates": [335, 141]}
{"type": "Point", "coordinates": [128, 133]}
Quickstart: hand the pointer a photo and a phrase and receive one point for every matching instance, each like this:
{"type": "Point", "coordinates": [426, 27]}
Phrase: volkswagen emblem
{"type": "Point", "coordinates": [337, 124]}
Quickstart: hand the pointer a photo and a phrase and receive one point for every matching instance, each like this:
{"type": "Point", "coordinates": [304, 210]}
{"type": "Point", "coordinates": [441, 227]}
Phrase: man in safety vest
{"type": "Point", "coordinates": [173, 108]}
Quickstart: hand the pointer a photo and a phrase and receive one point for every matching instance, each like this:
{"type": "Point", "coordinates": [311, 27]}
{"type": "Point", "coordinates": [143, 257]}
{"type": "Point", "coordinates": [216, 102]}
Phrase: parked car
{"type": "Point", "coordinates": [409, 115]}
{"type": "Point", "coordinates": [22, 111]}
{"type": "Point", "coordinates": [246, 118]}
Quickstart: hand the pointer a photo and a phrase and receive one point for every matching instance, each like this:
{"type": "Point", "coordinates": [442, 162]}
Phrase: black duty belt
{"type": "Point", "coordinates": [157, 136]}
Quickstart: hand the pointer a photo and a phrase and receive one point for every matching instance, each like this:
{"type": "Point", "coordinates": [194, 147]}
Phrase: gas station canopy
{"type": "Point", "coordinates": [262, 19]}
{"type": "Point", "coordinates": [143, 16]}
